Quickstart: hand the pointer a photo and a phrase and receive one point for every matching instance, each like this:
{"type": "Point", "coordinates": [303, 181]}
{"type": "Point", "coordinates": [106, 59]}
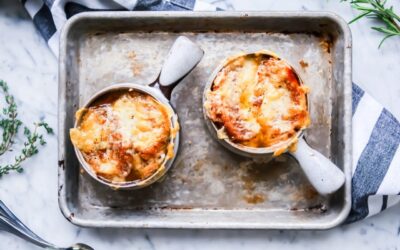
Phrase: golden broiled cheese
{"type": "Point", "coordinates": [257, 101]}
{"type": "Point", "coordinates": [92, 135]}
{"type": "Point", "coordinates": [124, 136]}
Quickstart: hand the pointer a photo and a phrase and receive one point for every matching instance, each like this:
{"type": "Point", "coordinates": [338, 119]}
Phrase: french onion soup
{"type": "Point", "coordinates": [124, 136]}
{"type": "Point", "coordinates": [257, 100]}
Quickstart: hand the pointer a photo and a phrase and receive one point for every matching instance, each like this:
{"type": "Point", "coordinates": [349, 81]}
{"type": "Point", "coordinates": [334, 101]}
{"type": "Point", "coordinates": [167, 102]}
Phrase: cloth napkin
{"type": "Point", "coordinates": [376, 132]}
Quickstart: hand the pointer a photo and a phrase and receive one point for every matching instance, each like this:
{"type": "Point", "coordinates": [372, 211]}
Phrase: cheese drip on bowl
{"type": "Point", "coordinates": [256, 100]}
{"type": "Point", "coordinates": [124, 136]}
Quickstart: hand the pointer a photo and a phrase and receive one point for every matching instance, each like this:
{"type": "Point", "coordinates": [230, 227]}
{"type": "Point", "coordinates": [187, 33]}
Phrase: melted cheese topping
{"type": "Point", "coordinates": [257, 101]}
{"type": "Point", "coordinates": [125, 136]}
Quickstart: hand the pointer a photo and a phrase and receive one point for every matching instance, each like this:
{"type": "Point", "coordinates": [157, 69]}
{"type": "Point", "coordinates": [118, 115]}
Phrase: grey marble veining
{"type": "Point", "coordinates": [31, 70]}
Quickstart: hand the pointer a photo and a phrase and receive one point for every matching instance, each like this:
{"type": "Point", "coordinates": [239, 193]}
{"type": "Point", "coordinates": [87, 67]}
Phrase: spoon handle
{"type": "Point", "coordinates": [10, 223]}
{"type": "Point", "coordinates": [7, 212]}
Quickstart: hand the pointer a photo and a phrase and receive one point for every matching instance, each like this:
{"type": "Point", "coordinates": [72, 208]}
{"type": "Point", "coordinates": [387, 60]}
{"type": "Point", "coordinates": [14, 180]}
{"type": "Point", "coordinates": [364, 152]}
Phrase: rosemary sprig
{"type": "Point", "coordinates": [10, 124]}
{"type": "Point", "coordinates": [377, 9]}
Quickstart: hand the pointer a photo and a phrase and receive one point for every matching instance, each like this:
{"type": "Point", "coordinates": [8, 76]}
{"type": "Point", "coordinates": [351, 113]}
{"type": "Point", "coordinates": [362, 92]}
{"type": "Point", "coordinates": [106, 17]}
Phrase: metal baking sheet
{"type": "Point", "coordinates": [208, 187]}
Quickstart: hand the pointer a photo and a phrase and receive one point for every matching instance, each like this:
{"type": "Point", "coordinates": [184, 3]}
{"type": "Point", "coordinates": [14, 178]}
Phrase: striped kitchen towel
{"type": "Point", "coordinates": [376, 157]}
{"type": "Point", "coordinates": [376, 132]}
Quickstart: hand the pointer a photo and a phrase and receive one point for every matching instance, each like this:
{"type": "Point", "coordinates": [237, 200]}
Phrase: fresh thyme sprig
{"type": "Point", "coordinates": [377, 9]}
{"type": "Point", "coordinates": [10, 124]}
{"type": "Point", "coordinates": [33, 140]}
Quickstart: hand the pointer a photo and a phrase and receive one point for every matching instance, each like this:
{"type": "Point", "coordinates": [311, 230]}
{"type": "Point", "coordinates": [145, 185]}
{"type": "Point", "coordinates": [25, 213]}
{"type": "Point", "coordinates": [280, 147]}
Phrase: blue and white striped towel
{"type": "Point", "coordinates": [376, 133]}
{"type": "Point", "coordinates": [376, 157]}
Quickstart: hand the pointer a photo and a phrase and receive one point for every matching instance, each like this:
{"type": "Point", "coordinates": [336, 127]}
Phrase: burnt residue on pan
{"type": "Point", "coordinates": [136, 64]}
{"type": "Point", "coordinates": [70, 216]}
{"type": "Point", "coordinates": [303, 64]}
{"type": "Point", "coordinates": [318, 208]}
{"type": "Point", "coordinates": [326, 42]}
{"type": "Point", "coordinates": [59, 189]}
{"type": "Point", "coordinates": [61, 164]}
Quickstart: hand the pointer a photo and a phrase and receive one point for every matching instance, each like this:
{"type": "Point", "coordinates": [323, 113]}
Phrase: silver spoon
{"type": "Point", "coordinates": [10, 223]}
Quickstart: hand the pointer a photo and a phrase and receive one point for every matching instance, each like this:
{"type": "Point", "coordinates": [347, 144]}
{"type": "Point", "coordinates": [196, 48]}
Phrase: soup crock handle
{"type": "Point", "coordinates": [182, 58]}
{"type": "Point", "coordinates": [323, 174]}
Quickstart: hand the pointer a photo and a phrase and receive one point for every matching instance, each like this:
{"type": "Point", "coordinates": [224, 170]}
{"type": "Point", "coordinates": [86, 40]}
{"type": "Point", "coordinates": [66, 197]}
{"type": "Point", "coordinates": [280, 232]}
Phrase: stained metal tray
{"type": "Point", "coordinates": [208, 187]}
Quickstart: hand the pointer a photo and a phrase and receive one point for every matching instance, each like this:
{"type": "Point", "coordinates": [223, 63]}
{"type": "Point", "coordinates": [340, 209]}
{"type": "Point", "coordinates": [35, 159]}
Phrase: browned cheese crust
{"type": "Point", "coordinates": [258, 101]}
{"type": "Point", "coordinates": [123, 136]}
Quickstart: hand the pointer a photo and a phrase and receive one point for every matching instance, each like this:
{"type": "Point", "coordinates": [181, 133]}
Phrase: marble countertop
{"type": "Point", "coordinates": [31, 70]}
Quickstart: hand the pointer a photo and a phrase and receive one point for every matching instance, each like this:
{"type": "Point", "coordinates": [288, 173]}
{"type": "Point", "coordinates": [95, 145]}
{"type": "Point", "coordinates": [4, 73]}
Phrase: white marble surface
{"type": "Point", "coordinates": [31, 69]}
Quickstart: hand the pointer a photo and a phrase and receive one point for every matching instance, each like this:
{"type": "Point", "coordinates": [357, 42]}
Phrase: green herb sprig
{"type": "Point", "coordinates": [10, 124]}
{"type": "Point", "coordinates": [377, 9]}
